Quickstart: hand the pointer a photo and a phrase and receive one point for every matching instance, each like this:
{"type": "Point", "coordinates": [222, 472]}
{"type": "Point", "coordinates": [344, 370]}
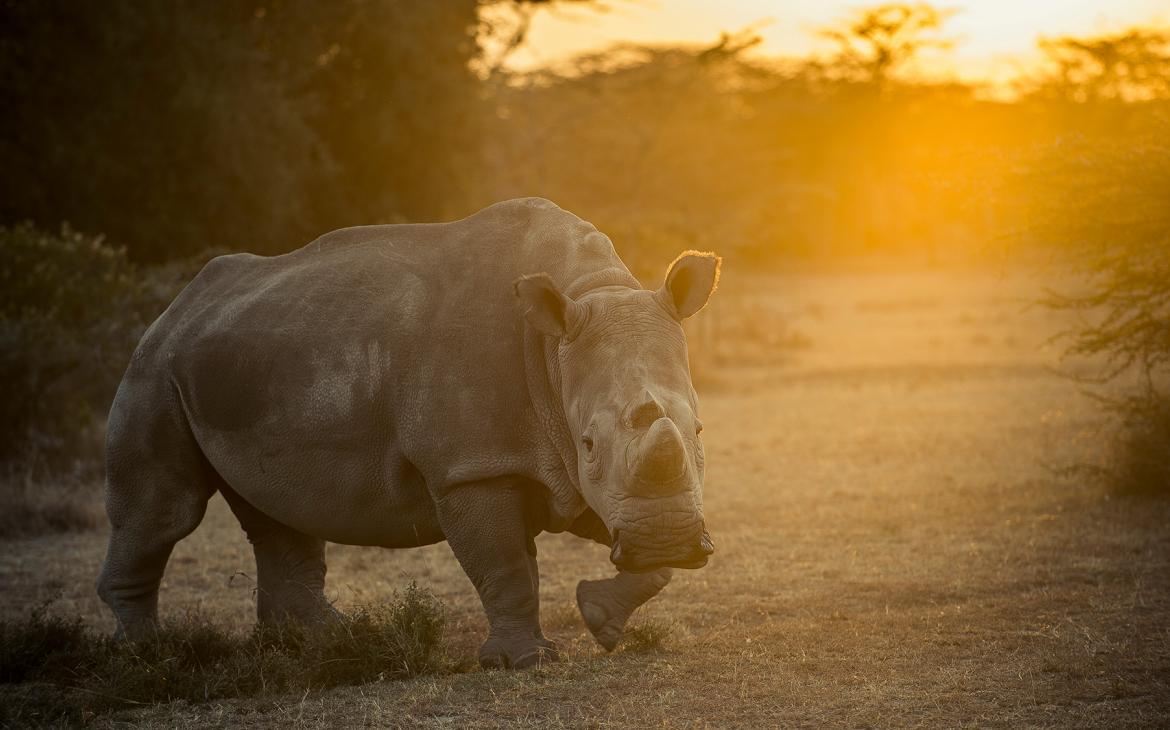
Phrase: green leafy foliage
{"type": "Point", "coordinates": [180, 126]}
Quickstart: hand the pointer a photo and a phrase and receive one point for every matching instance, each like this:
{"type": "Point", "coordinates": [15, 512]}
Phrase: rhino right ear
{"type": "Point", "coordinates": [546, 308]}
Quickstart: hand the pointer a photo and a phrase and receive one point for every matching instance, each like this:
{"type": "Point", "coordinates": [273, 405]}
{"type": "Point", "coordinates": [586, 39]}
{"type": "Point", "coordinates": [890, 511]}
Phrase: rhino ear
{"type": "Point", "coordinates": [690, 282]}
{"type": "Point", "coordinates": [545, 307]}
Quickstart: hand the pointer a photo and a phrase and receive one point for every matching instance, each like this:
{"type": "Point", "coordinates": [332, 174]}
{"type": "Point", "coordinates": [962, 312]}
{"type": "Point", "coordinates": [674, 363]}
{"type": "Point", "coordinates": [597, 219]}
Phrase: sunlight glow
{"type": "Point", "coordinates": [994, 38]}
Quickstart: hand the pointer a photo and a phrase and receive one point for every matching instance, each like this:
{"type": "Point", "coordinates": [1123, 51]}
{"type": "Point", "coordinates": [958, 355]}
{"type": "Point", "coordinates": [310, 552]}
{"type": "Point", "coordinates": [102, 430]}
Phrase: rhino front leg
{"type": "Point", "coordinates": [606, 605]}
{"type": "Point", "coordinates": [485, 525]}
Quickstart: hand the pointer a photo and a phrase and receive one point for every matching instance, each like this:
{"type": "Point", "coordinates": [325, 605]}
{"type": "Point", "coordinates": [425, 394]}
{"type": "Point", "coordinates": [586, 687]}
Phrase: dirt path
{"type": "Point", "coordinates": [893, 548]}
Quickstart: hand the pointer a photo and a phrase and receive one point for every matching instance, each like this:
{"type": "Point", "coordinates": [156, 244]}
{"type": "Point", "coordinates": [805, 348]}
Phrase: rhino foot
{"type": "Point", "coordinates": [517, 653]}
{"type": "Point", "coordinates": [604, 617]}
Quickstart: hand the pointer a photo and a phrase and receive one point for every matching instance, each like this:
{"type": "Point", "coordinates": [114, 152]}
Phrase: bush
{"type": "Point", "coordinates": [72, 309]}
{"type": "Point", "coordinates": [1139, 460]}
{"type": "Point", "coordinates": [43, 645]}
{"type": "Point", "coordinates": [58, 669]}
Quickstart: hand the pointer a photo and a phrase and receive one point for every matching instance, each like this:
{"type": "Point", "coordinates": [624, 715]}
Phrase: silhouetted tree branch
{"type": "Point", "coordinates": [880, 40]}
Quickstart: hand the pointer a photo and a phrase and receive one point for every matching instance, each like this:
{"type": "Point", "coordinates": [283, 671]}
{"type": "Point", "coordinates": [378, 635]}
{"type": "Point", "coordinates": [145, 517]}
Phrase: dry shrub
{"type": "Point", "coordinates": [1140, 458]}
{"type": "Point", "coordinates": [56, 669]}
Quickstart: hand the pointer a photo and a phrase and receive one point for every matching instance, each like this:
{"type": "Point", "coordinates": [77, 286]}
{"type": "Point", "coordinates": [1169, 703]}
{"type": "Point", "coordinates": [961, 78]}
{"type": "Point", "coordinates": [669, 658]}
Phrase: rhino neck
{"type": "Point", "coordinates": [557, 452]}
{"type": "Point", "coordinates": [610, 276]}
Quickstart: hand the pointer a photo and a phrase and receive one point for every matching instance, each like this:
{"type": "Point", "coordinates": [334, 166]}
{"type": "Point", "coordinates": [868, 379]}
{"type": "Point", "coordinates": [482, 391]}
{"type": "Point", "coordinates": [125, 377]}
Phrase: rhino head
{"type": "Point", "coordinates": [631, 408]}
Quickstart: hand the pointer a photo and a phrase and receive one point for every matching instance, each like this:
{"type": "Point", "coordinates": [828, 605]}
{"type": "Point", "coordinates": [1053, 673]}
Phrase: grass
{"type": "Point", "coordinates": [59, 670]}
{"type": "Point", "coordinates": [35, 506]}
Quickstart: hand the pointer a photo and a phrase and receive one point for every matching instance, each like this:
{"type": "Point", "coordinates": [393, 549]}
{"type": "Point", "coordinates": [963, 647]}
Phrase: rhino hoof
{"type": "Point", "coordinates": [496, 655]}
{"type": "Point", "coordinates": [605, 628]}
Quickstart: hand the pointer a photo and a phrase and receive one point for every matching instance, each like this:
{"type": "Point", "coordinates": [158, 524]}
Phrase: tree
{"type": "Point", "coordinates": [879, 41]}
{"type": "Point", "coordinates": [1133, 65]}
{"type": "Point", "coordinates": [1104, 204]}
{"type": "Point", "coordinates": [174, 127]}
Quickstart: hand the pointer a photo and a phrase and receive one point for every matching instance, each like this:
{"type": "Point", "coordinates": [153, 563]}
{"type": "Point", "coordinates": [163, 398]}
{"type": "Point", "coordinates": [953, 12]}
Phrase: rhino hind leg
{"type": "Point", "coordinates": [606, 605]}
{"type": "Point", "coordinates": [290, 567]}
{"type": "Point", "coordinates": [157, 487]}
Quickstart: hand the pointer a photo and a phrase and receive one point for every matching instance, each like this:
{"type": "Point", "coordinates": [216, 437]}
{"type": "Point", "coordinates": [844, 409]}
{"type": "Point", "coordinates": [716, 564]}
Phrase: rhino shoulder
{"type": "Point", "coordinates": [215, 273]}
{"type": "Point", "coordinates": [523, 205]}
{"type": "Point", "coordinates": [351, 236]}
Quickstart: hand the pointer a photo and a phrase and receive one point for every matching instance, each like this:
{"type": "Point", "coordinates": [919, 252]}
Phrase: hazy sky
{"type": "Point", "coordinates": [993, 36]}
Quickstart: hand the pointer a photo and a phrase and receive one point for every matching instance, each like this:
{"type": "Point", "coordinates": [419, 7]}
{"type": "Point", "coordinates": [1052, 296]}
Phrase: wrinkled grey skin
{"type": "Point", "coordinates": [479, 381]}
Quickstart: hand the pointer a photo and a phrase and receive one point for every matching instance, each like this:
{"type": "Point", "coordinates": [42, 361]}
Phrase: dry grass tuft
{"type": "Point", "coordinates": [58, 670]}
{"type": "Point", "coordinates": [35, 506]}
{"type": "Point", "coordinates": [647, 636]}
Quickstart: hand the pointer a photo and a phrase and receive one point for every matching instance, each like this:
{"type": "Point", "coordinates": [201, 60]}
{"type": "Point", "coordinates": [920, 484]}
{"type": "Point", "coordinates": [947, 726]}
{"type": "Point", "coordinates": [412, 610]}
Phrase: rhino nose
{"type": "Point", "coordinates": [617, 553]}
{"type": "Point", "coordinates": [706, 545]}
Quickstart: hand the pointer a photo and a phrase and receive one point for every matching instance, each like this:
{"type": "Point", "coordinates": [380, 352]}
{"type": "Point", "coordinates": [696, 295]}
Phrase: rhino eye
{"type": "Point", "coordinates": [698, 427]}
{"type": "Point", "coordinates": [588, 442]}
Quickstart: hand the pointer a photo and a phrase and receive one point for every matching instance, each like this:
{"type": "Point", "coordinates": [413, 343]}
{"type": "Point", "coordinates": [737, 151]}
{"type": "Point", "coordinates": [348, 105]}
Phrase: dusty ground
{"type": "Point", "coordinates": [894, 548]}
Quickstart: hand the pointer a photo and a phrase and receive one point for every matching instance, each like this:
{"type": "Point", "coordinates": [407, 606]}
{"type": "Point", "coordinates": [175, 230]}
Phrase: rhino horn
{"type": "Point", "coordinates": [645, 410]}
{"type": "Point", "coordinates": [662, 456]}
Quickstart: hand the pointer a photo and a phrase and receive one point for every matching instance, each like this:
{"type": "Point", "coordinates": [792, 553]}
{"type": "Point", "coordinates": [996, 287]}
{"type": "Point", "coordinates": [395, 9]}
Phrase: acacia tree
{"type": "Point", "coordinates": [1100, 196]}
{"type": "Point", "coordinates": [1132, 65]}
{"type": "Point", "coordinates": [880, 40]}
{"type": "Point", "coordinates": [1104, 203]}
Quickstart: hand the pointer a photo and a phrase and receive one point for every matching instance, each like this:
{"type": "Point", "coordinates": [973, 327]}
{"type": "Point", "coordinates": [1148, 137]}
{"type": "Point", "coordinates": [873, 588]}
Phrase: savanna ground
{"type": "Point", "coordinates": [897, 544]}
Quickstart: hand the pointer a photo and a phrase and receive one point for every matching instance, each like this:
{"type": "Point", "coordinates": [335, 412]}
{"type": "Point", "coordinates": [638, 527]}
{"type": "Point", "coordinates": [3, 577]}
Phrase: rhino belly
{"type": "Point", "coordinates": [307, 439]}
{"type": "Point", "coordinates": [337, 494]}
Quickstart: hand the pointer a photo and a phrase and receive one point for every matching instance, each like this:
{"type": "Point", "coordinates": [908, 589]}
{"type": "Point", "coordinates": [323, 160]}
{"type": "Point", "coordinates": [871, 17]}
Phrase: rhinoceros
{"type": "Point", "coordinates": [478, 381]}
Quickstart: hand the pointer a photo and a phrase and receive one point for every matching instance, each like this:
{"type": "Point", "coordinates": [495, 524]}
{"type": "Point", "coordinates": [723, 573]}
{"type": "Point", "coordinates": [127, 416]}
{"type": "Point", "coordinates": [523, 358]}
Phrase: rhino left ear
{"type": "Point", "coordinates": [545, 307]}
{"type": "Point", "coordinates": [690, 282]}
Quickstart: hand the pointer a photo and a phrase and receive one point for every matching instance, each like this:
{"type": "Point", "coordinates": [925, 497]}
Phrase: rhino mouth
{"type": "Point", "coordinates": [628, 556]}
